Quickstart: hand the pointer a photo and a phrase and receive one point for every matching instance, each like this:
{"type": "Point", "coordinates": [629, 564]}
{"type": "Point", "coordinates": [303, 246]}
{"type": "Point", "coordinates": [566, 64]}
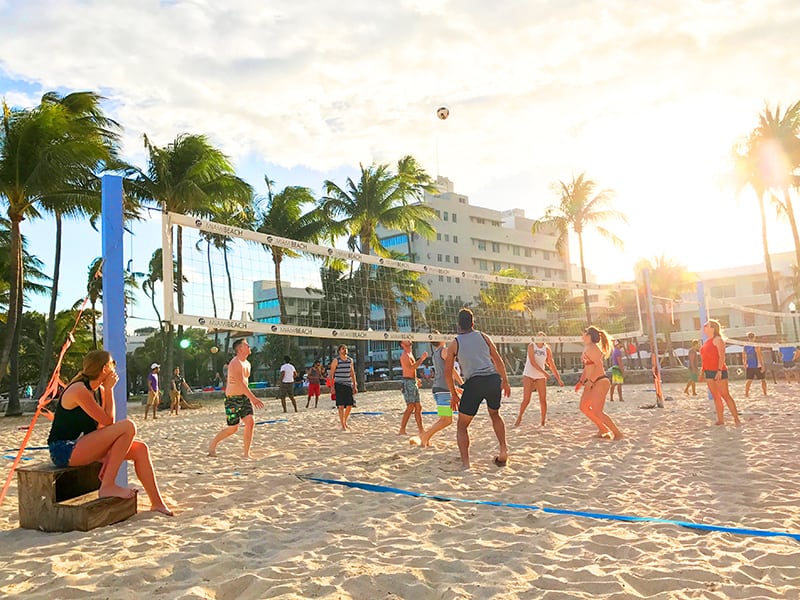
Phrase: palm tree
{"type": "Point", "coordinates": [579, 208]}
{"type": "Point", "coordinates": [775, 150]}
{"type": "Point", "coordinates": [282, 215]}
{"type": "Point", "coordinates": [747, 173]}
{"type": "Point", "coordinates": [79, 200]}
{"type": "Point", "coordinates": [188, 176]}
{"type": "Point", "coordinates": [48, 153]}
{"type": "Point", "coordinates": [155, 274]}
{"type": "Point", "coordinates": [381, 197]}
{"type": "Point", "coordinates": [395, 290]}
{"type": "Point", "coordinates": [668, 280]}
{"type": "Point", "coordinates": [230, 212]}
{"type": "Point", "coordinates": [94, 291]}
{"type": "Point", "coordinates": [35, 282]}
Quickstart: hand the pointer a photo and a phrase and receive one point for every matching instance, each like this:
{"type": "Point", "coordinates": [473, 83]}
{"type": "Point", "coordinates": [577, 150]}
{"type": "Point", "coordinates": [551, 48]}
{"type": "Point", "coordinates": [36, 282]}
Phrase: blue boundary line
{"type": "Point", "coordinates": [29, 448]}
{"type": "Point", "coordinates": [368, 487]}
{"type": "Point", "coordinates": [271, 421]}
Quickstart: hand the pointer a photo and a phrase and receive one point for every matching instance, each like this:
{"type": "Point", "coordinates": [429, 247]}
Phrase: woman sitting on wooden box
{"type": "Point", "coordinates": [84, 431]}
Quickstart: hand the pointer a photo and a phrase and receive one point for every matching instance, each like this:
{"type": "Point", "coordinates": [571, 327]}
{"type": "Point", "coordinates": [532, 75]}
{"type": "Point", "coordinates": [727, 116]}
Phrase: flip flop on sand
{"type": "Point", "coordinates": [500, 463]}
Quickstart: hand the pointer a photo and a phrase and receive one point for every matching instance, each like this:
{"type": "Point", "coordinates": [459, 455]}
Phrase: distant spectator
{"type": "Point", "coordinates": [288, 374]}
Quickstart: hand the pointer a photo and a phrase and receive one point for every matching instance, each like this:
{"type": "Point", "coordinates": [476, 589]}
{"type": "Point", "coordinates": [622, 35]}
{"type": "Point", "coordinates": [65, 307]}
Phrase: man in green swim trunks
{"type": "Point", "coordinates": [441, 394]}
{"type": "Point", "coordinates": [239, 400]}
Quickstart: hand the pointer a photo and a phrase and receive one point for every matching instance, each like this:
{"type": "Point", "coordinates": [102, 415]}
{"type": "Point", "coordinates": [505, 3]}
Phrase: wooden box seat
{"type": "Point", "coordinates": [65, 499]}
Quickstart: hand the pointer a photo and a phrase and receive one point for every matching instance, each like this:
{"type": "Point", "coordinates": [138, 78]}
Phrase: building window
{"type": "Point", "coordinates": [458, 279]}
{"type": "Point", "coordinates": [446, 237]}
{"type": "Point", "coordinates": [481, 245]}
{"type": "Point", "coordinates": [438, 214]}
{"type": "Point", "coordinates": [454, 218]}
{"type": "Point", "coordinates": [483, 266]}
{"type": "Point", "coordinates": [441, 278]}
{"type": "Point", "coordinates": [439, 237]}
{"type": "Point", "coordinates": [439, 257]}
{"type": "Point", "coordinates": [447, 258]}
{"type": "Point", "coordinates": [446, 216]}
{"type": "Point", "coordinates": [495, 247]}
{"type": "Point", "coordinates": [546, 255]}
{"type": "Point", "coordinates": [527, 252]}
{"type": "Point", "coordinates": [749, 319]}
{"type": "Point", "coordinates": [761, 287]}
{"type": "Point", "coordinates": [455, 259]}
{"type": "Point", "coordinates": [515, 250]}
{"type": "Point", "coordinates": [547, 273]}
{"type": "Point", "coordinates": [449, 280]}
{"type": "Point", "coordinates": [395, 240]}
{"type": "Point", "coordinates": [455, 237]}
{"type": "Point", "coordinates": [723, 291]}
{"type": "Point", "coordinates": [479, 221]}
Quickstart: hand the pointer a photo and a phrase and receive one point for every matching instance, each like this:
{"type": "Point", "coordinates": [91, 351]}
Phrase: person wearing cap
{"type": "Point", "coordinates": [153, 393]}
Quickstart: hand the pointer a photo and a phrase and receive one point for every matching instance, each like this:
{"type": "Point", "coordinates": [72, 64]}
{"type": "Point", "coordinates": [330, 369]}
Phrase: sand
{"type": "Point", "coordinates": [252, 529]}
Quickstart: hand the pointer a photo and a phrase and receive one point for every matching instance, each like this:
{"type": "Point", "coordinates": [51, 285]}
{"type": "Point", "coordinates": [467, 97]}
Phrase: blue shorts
{"type": "Point", "coordinates": [61, 452]}
{"type": "Point", "coordinates": [443, 408]}
{"type": "Point", "coordinates": [410, 390]}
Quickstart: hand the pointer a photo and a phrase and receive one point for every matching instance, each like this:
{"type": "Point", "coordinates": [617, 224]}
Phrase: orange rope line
{"type": "Point", "coordinates": [50, 392]}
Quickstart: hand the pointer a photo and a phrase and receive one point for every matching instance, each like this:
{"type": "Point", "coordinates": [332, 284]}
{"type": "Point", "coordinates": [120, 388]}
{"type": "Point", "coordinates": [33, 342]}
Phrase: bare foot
{"type": "Point", "coordinates": [212, 451]}
{"type": "Point", "coordinates": [115, 491]}
{"type": "Point", "coordinates": [247, 456]}
{"type": "Point", "coordinates": [518, 422]}
{"type": "Point", "coordinates": [162, 508]}
{"type": "Point", "coordinates": [402, 432]}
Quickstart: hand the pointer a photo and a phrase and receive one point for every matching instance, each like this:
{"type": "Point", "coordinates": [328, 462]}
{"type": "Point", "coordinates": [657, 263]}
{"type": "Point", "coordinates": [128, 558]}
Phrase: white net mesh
{"type": "Point", "coordinates": [230, 282]}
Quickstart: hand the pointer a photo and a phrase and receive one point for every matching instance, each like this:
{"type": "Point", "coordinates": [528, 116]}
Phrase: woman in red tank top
{"type": "Point", "coordinates": [715, 372]}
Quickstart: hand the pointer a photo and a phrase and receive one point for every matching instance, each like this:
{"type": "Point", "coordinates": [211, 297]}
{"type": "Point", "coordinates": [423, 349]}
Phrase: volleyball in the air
{"type": "Point", "coordinates": [214, 349]}
{"type": "Point", "coordinates": [442, 112]}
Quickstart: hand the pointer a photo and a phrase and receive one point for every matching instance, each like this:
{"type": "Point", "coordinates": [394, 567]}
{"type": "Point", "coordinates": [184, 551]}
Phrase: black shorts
{"type": "Point", "coordinates": [236, 409]}
{"type": "Point", "coordinates": [755, 373]}
{"type": "Point", "coordinates": [344, 394]}
{"type": "Point", "coordinates": [713, 374]}
{"type": "Point", "coordinates": [476, 390]}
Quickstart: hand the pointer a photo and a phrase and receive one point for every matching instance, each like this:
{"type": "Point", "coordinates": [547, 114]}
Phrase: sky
{"type": "Point", "coordinates": [647, 98]}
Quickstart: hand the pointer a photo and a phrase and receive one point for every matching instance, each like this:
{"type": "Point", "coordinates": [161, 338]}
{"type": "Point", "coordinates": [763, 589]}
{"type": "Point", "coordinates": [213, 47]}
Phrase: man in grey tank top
{"type": "Point", "coordinates": [485, 378]}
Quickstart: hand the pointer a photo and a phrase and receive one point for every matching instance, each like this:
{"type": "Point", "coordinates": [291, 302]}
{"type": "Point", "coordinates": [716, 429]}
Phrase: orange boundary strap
{"type": "Point", "coordinates": [50, 392]}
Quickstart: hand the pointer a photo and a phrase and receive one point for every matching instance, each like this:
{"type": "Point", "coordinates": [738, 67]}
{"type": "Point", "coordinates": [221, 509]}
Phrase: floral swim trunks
{"type": "Point", "coordinates": [237, 408]}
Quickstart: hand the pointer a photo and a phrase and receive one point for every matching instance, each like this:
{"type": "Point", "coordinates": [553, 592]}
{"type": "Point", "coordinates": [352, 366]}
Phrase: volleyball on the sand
{"type": "Point", "coordinates": [442, 112]}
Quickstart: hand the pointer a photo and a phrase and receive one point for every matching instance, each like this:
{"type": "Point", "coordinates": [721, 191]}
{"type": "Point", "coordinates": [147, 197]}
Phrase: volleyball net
{"type": "Point", "coordinates": [769, 328]}
{"type": "Point", "coordinates": [230, 282]}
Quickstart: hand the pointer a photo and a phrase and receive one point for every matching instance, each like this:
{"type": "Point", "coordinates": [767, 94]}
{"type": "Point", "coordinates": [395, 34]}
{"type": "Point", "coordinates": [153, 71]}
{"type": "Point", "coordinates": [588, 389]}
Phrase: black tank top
{"type": "Point", "coordinates": [69, 424]}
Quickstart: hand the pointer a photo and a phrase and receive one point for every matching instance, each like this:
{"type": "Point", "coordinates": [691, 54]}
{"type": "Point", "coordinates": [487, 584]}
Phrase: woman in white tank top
{"type": "Point", "coordinates": [534, 376]}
